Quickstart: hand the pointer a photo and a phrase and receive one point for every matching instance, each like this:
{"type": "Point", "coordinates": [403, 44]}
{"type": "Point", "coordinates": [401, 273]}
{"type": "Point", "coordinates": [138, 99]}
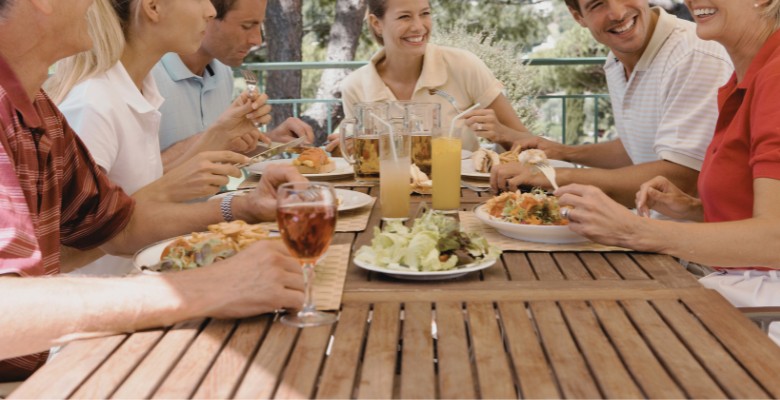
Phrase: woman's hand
{"type": "Point", "coordinates": [199, 176]}
{"type": "Point", "coordinates": [661, 195]}
{"type": "Point", "coordinates": [485, 124]}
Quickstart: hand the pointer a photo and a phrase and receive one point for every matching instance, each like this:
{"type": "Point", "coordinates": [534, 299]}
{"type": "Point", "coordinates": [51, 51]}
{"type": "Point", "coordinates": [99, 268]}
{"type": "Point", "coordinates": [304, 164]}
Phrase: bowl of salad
{"type": "Point", "coordinates": [532, 216]}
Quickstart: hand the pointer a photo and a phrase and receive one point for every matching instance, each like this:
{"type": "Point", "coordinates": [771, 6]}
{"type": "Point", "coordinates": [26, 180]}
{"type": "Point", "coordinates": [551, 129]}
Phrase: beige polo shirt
{"type": "Point", "coordinates": [457, 72]}
{"type": "Point", "coordinates": [667, 108]}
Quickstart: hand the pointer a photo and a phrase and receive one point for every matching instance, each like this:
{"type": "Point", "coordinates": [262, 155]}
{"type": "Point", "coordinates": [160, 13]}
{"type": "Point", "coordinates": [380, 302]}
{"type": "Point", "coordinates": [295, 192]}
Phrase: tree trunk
{"type": "Point", "coordinates": [284, 28]}
{"type": "Point", "coordinates": [342, 43]}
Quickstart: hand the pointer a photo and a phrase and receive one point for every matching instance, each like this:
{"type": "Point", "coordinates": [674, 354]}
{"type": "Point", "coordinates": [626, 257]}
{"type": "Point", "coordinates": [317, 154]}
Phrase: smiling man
{"type": "Point", "coordinates": [198, 87]}
{"type": "Point", "coordinates": [663, 82]}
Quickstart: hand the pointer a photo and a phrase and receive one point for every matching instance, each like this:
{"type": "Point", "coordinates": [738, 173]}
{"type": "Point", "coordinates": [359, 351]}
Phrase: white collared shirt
{"type": "Point", "coordinates": [667, 108]}
{"type": "Point", "coordinates": [119, 125]}
{"type": "Point", "coordinates": [457, 72]}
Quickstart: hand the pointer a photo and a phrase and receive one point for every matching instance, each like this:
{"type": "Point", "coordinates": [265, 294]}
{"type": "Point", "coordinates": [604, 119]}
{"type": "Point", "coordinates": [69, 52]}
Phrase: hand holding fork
{"type": "Point", "coordinates": [254, 95]}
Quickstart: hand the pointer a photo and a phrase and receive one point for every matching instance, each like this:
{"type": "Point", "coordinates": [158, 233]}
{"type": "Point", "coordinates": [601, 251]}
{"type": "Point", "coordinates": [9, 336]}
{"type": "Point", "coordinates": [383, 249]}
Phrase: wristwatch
{"type": "Point", "coordinates": [226, 207]}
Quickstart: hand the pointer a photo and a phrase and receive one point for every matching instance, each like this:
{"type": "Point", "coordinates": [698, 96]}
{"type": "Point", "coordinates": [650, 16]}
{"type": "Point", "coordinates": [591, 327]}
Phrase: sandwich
{"type": "Point", "coordinates": [314, 160]}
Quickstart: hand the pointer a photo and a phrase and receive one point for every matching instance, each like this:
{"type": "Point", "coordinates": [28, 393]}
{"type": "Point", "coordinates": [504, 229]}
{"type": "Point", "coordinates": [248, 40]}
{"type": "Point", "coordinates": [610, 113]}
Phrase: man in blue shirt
{"type": "Point", "coordinates": [198, 87]}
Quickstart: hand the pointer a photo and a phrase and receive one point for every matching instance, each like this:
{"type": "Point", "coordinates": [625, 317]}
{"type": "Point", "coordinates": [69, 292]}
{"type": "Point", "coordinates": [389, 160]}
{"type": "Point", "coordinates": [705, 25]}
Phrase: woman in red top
{"type": "Point", "coordinates": [739, 184]}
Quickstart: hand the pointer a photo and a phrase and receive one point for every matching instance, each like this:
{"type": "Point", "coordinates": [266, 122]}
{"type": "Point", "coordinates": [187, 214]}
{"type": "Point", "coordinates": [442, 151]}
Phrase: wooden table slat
{"type": "Point", "coordinates": [732, 378]}
{"type": "Point", "coordinates": [626, 267]}
{"type": "Point", "coordinates": [493, 369]}
{"type": "Point", "coordinates": [572, 267]}
{"type": "Point", "coordinates": [721, 319]}
{"type": "Point", "coordinates": [533, 371]}
{"type": "Point", "coordinates": [605, 364]}
{"type": "Point", "coordinates": [155, 366]}
{"type": "Point", "coordinates": [599, 267]}
{"type": "Point", "coordinates": [545, 267]}
{"type": "Point", "coordinates": [455, 380]}
{"type": "Point", "coordinates": [417, 370]}
{"type": "Point", "coordinates": [63, 376]}
{"type": "Point", "coordinates": [262, 377]}
{"type": "Point", "coordinates": [121, 363]}
{"type": "Point", "coordinates": [518, 267]}
{"type": "Point", "coordinates": [377, 377]}
{"type": "Point", "coordinates": [680, 363]}
{"type": "Point", "coordinates": [193, 366]}
{"type": "Point", "coordinates": [337, 379]}
{"type": "Point", "coordinates": [666, 270]}
{"type": "Point", "coordinates": [300, 376]}
{"type": "Point", "coordinates": [228, 369]}
{"type": "Point", "coordinates": [645, 368]}
{"type": "Point", "coordinates": [570, 369]}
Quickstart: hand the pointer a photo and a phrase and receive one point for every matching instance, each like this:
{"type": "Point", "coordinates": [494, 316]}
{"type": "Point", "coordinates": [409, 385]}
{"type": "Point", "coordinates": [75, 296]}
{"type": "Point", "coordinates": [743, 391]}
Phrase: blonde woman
{"type": "Point", "coordinates": [111, 100]}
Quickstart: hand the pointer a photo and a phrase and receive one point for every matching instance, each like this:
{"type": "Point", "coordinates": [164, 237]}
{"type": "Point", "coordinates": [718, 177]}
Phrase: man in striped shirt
{"type": "Point", "coordinates": [663, 83]}
{"type": "Point", "coordinates": [52, 193]}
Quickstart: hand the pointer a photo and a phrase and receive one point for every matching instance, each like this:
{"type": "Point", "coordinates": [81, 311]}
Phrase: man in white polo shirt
{"type": "Point", "coordinates": [663, 83]}
{"type": "Point", "coordinates": [199, 87]}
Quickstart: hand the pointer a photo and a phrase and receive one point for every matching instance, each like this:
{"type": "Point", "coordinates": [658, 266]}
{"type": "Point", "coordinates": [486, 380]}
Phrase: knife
{"type": "Point", "coordinates": [271, 152]}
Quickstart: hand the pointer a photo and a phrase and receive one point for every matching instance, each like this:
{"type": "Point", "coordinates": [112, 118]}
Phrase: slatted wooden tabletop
{"type": "Point", "coordinates": [553, 325]}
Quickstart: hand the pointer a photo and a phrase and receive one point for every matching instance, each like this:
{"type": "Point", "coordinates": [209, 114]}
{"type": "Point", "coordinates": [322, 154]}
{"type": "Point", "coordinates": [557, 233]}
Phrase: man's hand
{"type": "Point", "coordinates": [553, 150]}
{"type": "Point", "coordinates": [290, 129]}
{"type": "Point", "coordinates": [235, 128]}
{"type": "Point", "coordinates": [260, 204]}
{"type": "Point", "coordinates": [509, 176]}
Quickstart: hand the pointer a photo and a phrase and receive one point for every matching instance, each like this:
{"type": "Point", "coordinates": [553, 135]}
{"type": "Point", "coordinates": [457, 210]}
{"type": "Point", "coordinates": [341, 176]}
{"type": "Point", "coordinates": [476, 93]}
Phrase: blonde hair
{"type": "Point", "coordinates": [107, 31]}
{"type": "Point", "coordinates": [772, 12]}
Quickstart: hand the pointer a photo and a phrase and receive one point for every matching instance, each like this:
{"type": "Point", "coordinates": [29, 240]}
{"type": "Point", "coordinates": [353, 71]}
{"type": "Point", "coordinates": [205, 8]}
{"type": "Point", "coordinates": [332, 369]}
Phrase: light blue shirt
{"type": "Point", "coordinates": [192, 102]}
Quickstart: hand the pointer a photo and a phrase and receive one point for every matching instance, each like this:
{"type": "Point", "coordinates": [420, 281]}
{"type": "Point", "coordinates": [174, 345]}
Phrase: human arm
{"type": "Point", "coordinates": [498, 122]}
{"type": "Point", "coordinates": [727, 244]}
{"type": "Point", "coordinates": [620, 184]}
{"type": "Point", "coordinates": [49, 311]}
{"type": "Point", "coordinates": [661, 195]}
{"type": "Point", "coordinates": [199, 176]}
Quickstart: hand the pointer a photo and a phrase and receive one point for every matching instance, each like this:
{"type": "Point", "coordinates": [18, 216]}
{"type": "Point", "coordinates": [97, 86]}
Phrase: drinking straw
{"type": "Point", "coordinates": [392, 136]}
{"type": "Point", "coordinates": [452, 125]}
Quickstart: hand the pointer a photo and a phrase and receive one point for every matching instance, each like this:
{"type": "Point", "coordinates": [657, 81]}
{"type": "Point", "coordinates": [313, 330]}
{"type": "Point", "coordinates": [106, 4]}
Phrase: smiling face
{"type": "Point", "coordinates": [728, 22]}
{"type": "Point", "coordinates": [625, 26]}
{"type": "Point", "coordinates": [405, 27]}
{"type": "Point", "coordinates": [231, 38]}
{"type": "Point", "coordinates": [185, 23]}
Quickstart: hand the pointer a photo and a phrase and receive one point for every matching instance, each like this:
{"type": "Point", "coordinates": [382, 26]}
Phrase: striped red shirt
{"type": "Point", "coordinates": [51, 193]}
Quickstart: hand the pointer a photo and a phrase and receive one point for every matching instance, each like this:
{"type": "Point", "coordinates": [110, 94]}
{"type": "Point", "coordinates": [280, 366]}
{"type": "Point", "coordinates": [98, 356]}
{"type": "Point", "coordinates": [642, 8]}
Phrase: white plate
{"type": "Point", "coordinates": [343, 169]}
{"type": "Point", "coordinates": [150, 254]}
{"type": "Point", "coordinates": [467, 168]}
{"type": "Point", "coordinates": [350, 199]}
{"type": "Point", "coordinates": [556, 234]}
{"type": "Point", "coordinates": [427, 276]}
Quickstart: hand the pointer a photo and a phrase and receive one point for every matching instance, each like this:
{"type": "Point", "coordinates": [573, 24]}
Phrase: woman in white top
{"type": "Point", "coordinates": [408, 67]}
{"type": "Point", "coordinates": [111, 100]}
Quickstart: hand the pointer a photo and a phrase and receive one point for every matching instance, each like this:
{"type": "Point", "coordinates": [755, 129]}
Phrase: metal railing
{"type": "Point", "coordinates": [261, 68]}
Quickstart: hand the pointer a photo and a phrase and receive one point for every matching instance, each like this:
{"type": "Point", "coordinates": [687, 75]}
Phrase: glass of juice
{"type": "Point", "coordinates": [395, 163]}
{"type": "Point", "coordinates": [445, 166]}
{"type": "Point", "coordinates": [306, 214]}
{"type": "Point", "coordinates": [364, 131]}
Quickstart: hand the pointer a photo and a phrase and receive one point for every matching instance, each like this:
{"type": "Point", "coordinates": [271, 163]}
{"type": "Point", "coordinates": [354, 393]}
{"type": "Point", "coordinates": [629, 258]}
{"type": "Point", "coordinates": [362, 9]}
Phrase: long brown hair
{"type": "Point", "coordinates": [378, 9]}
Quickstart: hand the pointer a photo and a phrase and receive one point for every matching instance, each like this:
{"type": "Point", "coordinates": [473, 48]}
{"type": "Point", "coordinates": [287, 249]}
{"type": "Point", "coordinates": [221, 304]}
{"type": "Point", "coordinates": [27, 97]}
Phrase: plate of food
{"type": "Point", "coordinates": [478, 165]}
{"type": "Point", "coordinates": [347, 199]}
{"type": "Point", "coordinates": [532, 216]}
{"type": "Point", "coordinates": [313, 163]}
{"type": "Point", "coordinates": [198, 249]}
{"type": "Point", "coordinates": [433, 248]}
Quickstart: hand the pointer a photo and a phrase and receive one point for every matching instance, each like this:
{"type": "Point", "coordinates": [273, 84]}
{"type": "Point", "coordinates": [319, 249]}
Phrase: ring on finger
{"type": "Point", "coordinates": [565, 212]}
{"type": "Point", "coordinates": [479, 126]}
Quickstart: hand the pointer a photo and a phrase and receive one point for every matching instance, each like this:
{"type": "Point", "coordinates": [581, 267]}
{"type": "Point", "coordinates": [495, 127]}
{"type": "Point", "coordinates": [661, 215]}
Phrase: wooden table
{"type": "Point", "coordinates": [556, 325]}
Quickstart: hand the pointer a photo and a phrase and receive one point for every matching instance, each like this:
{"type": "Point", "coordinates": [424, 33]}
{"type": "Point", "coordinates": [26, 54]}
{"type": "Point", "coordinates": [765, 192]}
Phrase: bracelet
{"type": "Point", "coordinates": [226, 207]}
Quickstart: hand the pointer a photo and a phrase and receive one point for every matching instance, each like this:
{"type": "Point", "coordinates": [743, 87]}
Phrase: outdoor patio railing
{"type": "Point", "coordinates": [260, 68]}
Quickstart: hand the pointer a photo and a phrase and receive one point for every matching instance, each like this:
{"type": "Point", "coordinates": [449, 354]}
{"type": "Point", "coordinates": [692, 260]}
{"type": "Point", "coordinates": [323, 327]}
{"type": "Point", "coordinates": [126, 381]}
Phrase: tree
{"type": "Point", "coordinates": [284, 27]}
{"type": "Point", "coordinates": [342, 43]}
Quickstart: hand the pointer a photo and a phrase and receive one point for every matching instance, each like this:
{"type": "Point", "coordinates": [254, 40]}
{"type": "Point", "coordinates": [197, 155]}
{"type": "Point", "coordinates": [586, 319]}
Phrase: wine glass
{"type": "Point", "coordinates": [306, 213]}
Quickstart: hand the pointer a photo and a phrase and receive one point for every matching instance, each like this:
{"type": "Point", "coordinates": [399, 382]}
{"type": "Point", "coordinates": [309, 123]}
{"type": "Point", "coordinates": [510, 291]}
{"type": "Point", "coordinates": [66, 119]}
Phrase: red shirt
{"type": "Point", "coordinates": [746, 143]}
{"type": "Point", "coordinates": [51, 193]}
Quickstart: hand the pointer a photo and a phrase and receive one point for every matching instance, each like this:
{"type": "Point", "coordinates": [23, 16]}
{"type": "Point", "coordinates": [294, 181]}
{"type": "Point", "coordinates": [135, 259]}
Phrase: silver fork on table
{"type": "Point", "coordinates": [446, 96]}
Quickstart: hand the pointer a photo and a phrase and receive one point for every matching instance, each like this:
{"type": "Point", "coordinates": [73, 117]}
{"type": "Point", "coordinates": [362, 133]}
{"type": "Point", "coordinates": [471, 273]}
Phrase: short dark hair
{"type": "Point", "coordinates": [378, 9]}
{"type": "Point", "coordinates": [574, 5]}
{"type": "Point", "coordinates": [222, 7]}
{"type": "Point", "coordinates": [4, 6]}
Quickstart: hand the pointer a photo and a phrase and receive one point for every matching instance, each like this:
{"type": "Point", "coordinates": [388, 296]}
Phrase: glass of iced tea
{"type": "Point", "coordinates": [420, 119]}
{"type": "Point", "coordinates": [306, 214]}
{"type": "Point", "coordinates": [365, 131]}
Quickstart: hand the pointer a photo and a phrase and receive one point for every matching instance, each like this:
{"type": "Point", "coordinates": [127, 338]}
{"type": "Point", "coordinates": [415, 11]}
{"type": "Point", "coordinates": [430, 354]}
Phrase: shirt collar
{"type": "Point", "coordinates": [664, 27]}
{"type": "Point", "coordinates": [17, 95]}
{"type": "Point", "coordinates": [176, 68]}
{"type": "Point", "coordinates": [149, 100]}
{"type": "Point", "coordinates": [433, 75]}
{"type": "Point", "coordinates": [768, 51]}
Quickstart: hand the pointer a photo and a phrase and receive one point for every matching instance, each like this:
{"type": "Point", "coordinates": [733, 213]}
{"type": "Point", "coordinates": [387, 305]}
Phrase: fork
{"type": "Point", "coordinates": [549, 172]}
{"type": "Point", "coordinates": [251, 85]}
{"type": "Point", "coordinates": [447, 96]}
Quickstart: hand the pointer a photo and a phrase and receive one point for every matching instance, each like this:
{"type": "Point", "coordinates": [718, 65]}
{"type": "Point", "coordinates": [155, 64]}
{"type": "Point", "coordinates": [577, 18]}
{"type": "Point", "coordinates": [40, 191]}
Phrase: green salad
{"type": "Point", "coordinates": [434, 243]}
